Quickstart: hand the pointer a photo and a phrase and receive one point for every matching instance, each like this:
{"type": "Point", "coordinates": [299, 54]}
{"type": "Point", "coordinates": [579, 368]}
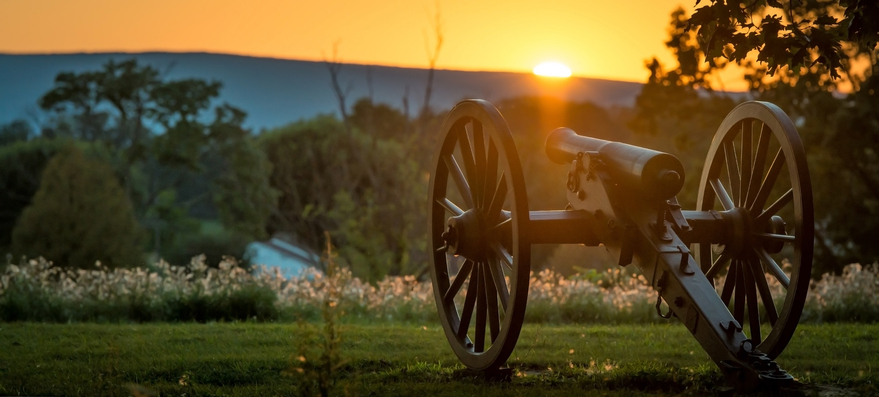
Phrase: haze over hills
{"type": "Point", "coordinates": [275, 92]}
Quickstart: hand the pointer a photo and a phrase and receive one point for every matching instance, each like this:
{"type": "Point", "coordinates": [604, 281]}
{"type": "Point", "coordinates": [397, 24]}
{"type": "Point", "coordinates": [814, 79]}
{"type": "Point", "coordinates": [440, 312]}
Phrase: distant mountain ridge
{"type": "Point", "coordinates": [275, 92]}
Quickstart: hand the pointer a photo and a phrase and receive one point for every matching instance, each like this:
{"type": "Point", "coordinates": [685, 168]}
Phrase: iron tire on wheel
{"type": "Point", "coordinates": [477, 180]}
{"type": "Point", "coordinates": [774, 208]}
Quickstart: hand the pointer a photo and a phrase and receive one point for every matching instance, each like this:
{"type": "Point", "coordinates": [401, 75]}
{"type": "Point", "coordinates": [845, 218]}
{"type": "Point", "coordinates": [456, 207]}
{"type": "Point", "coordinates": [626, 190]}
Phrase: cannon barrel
{"type": "Point", "coordinates": [655, 175]}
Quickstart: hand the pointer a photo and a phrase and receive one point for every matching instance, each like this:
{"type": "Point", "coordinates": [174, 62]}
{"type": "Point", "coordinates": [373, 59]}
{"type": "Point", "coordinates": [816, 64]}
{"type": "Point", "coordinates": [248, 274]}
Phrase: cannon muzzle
{"type": "Point", "coordinates": [656, 175]}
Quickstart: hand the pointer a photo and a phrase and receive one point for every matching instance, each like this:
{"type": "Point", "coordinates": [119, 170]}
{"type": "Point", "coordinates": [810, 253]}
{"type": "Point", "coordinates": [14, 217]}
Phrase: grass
{"type": "Point", "coordinates": [395, 359]}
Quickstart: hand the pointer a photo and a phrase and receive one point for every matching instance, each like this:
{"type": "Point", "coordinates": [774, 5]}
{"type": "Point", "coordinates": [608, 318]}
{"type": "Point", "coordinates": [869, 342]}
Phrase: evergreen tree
{"type": "Point", "coordinates": [79, 215]}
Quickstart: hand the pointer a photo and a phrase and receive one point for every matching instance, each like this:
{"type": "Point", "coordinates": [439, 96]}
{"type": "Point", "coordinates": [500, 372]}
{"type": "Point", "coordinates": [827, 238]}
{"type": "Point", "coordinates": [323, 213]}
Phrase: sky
{"type": "Point", "coordinates": [603, 39]}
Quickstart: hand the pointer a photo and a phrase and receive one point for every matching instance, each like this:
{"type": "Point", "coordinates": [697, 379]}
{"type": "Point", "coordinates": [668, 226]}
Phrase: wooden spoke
{"type": "Point", "coordinates": [746, 162]}
{"type": "Point", "coordinates": [768, 182]}
{"type": "Point", "coordinates": [500, 285]}
{"type": "Point", "coordinates": [779, 237]}
{"type": "Point", "coordinates": [462, 275]}
{"type": "Point", "coordinates": [773, 267]}
{"type": "Point", "coordinates": [491, 295]}
{"type": "Point", "coordinates": [732, 168]}
{"type": "Point", "coordinates": [718, 264]}
{"type": "Point", "coordinates": [765, 293]}
{"type": "Point", "coordinates": [729, 284]}
{"type": "Point", "coordinates": [785, 199]}
{"type": "Point", "coordinates": [497, 202]}
{"type": "Point", "coordinates": [490, 174]}
{"type": "Point", "coordinates": [704, 251]}
{"type": "Point", "coordinates": [739, 307]}
{"type": "Point", "coordinates": [469, 305]}
{"type": "Point", "coordinates": [502, 254]}
{"type": "Point", "coordinates": [722, 195]}
{"type": "Point", "coordinates": [751, 297]}
{"type": "Point", "coordinates": [469, 165]}
{"type": "Point", "coordinates": [481, 311]}
{"type": "Point", "coordinates": [500, 225]}
{"type": "Point", "coordinates": [459, 179]}
{"type": "Point", "coordinates": [759, 164]}
{"type": "Point", "coordinates": [450, 206]}
{"type": "Point", "coordinates": [479, 156]}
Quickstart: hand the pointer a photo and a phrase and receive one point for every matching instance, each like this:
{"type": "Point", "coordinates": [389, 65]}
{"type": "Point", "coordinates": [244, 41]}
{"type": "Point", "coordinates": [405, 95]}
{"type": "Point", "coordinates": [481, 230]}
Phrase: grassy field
{"type": "Point", "coordinates": [266, 359]}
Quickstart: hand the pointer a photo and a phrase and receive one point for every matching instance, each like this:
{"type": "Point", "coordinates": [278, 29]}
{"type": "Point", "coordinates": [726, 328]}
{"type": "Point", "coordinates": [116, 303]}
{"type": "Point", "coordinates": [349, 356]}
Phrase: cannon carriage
{"type": "Point", "coordinates": [752, 228]}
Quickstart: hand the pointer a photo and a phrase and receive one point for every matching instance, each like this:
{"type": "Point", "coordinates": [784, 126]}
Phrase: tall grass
{"type": "Point", "coordinates": [35, 290]}
{"type": "Point", "coordinates": [319, 358]}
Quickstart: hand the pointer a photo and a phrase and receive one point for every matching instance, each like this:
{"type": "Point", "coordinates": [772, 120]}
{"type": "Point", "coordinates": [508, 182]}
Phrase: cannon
{"type": "Point", "coordinates": [735, 271]}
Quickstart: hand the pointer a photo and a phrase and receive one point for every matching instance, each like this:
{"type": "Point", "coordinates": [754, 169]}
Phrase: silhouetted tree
{"type": "Point", "coordinates": [79, 215]}
{"type": "Point", "coordinates": [840, 133]}
{"type": "Point", "coordinates": [797, 34]}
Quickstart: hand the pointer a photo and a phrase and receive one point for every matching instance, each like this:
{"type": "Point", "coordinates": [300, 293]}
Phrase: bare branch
{"type": "Point", "coordinates": [335, 67]}
{"type": "Point", "coordinates": [432, 56]}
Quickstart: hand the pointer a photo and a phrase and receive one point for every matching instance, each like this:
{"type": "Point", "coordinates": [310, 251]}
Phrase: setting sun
{"type": "Point", "coordinates": [552, 69]}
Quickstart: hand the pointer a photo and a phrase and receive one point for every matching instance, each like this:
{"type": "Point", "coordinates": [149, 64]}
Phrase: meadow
{"type": "Point", "coordinates": [198, 330]}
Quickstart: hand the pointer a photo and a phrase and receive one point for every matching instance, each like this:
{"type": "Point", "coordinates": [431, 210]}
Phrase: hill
{"type": "Point", "coordinates": [277, 91]}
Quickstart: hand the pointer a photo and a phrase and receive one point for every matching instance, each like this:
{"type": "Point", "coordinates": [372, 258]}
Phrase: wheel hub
{"type": "Point", "coordinates": [465, 235]}
{"type": "Point", "coordinates": [740, 231]}
{"type": "Point", "coordinates": [743, 232]}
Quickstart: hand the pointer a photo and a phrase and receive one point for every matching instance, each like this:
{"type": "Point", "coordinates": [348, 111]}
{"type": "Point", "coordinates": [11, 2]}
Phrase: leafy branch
{"type": "Point", "coordinates": [796, 34]}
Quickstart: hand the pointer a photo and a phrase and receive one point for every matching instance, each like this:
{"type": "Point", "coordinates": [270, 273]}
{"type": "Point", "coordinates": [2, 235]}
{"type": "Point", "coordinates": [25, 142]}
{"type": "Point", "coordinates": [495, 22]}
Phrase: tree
{"type": "Point", "coordinates": [379, 120]}
{"type": "Point", "coordinates": [21, 166]}
{"type": "Point", "coordinates": [168, 145]}
{"type": "Point", "coordinates": [679, 105]}
{"type": "Point", "coordinates": [242, 192]}
{"type": "Point", "coordinates": [365, 190]}
{"type": "Point", "coordinates": [841, 137]}
{"type": "Point", "coordinates": [675, 93]}
{"type": "Point", "coordinates": [77, 93]}
{"type": "Point", "coordinates": [16, 131]}
{"type": "Point", "coordinates": [839, 132]}
{"type": "Point", "coordinates": [79, 215]}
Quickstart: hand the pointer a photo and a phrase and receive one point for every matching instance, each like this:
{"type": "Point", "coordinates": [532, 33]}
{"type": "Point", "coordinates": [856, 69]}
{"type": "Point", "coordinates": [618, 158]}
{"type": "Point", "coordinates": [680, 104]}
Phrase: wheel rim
{"type": "Point", "coordinates": [479, 211]}
{"type": "Point", "coordinates": [756, 173]}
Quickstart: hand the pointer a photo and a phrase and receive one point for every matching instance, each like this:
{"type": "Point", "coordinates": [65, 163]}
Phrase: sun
{"type": "Point", "coordinates": [552, 69]}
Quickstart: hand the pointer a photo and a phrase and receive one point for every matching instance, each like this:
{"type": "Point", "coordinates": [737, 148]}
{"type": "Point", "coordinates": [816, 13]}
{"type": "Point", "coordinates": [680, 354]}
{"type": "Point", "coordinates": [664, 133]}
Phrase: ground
{"type": "Point", "coordinates": [403, 359]}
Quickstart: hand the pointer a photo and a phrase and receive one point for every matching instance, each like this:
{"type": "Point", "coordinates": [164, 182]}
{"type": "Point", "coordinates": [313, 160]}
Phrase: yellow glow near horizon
{"type": "Point", "coordinates": [552, 69]}
{"type": "Point", "coordinates": [597, 39]}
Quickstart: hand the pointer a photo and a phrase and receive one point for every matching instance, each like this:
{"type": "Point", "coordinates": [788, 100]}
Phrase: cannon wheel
{"type": "Point", "coordinates": [480, 270]}
{"type": "Point", "coordinates": [765, 266]}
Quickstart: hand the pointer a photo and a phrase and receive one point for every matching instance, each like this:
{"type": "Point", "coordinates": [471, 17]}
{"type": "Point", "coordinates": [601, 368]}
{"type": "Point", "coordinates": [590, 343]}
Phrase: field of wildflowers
{"type": "Point", "coordinates": [34, 290]}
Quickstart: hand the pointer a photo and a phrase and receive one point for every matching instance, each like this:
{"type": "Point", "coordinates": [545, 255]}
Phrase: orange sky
{"type": "Point", "coordinates": [607, 39]}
